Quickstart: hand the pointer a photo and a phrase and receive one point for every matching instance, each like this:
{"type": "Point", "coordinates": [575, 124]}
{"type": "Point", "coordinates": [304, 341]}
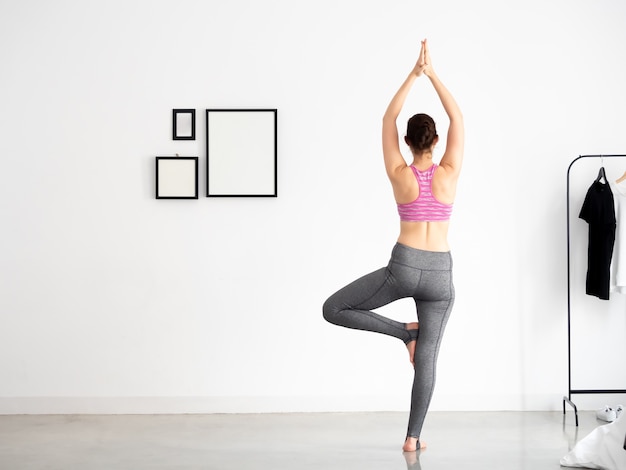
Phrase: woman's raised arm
{"type": "Point", "coordinates": [453, 156]}
{"type": "Point", "coordinates": [394, 161]}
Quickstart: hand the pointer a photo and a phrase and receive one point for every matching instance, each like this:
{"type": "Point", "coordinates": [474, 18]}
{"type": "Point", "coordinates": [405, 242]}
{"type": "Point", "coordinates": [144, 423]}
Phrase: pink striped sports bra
{"type": "Point", "coordinates": [425, 208]}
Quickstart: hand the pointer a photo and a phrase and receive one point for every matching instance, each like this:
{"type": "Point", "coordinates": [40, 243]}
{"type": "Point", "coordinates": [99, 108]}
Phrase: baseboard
{"type": "Point", "coordinates": [314, 404]}
{"type": "Point", "coordinates": [195, 405]}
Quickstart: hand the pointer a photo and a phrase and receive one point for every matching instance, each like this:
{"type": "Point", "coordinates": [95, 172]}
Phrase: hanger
{"type": "Point", "coordinates": [602, 174]}
{"type": "Point", "coordinates": [621, 178]}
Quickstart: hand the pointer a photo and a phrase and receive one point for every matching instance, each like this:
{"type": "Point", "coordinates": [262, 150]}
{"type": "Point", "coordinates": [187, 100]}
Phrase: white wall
{"type": "Point", "coordinates": [113, 301]}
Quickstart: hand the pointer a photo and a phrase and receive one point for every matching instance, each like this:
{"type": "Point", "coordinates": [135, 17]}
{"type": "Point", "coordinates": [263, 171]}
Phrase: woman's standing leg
{"type": "Point", "coordinates": [434, 300]}
{"type": "Point", "coordinates": [433, 317]}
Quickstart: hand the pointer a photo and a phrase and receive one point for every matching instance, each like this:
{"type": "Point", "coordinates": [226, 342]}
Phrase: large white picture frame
{"type": "Point", "coordinates": [241, 152]}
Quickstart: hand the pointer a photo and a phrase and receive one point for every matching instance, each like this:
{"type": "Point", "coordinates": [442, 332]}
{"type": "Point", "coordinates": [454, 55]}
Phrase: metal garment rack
{"type": "Point", "coordinates": [571, 391]}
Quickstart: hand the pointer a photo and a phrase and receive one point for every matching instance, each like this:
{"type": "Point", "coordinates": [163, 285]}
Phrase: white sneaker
{"type": "Point", "coordinates": [606, 414]}
{"type": "Point", "coordinates": [618, 411]}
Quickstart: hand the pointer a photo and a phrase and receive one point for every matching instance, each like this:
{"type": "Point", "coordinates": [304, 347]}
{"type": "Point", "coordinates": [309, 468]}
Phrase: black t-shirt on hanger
{"type": "Point", "coordinates": [598, 211]}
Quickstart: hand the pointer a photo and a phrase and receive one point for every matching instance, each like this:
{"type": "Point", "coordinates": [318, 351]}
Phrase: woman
{"type": "Point", "coordinates": [421, 264]}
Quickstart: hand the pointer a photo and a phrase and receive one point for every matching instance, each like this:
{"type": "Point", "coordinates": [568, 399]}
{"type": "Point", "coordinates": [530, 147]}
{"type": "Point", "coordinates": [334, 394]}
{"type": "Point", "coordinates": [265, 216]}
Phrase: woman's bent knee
{"type": "Point", "coordinates": [330, 311]}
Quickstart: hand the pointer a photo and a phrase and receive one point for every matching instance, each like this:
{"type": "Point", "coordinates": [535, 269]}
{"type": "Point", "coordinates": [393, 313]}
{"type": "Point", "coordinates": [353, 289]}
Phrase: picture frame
{"type": "Point", "coordinates": [176, 177]}
{"type": "Point", "coordinates": [184, 124]}
{"type": "Point", "coordinates": [241, 152]}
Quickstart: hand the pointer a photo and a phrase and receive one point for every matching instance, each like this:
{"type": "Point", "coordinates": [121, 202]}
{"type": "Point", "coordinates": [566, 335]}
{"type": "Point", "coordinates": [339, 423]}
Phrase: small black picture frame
{"type": "Point", "coordinates": [177, 177]}
{"type": "Point", "coordinates": [184, 124]}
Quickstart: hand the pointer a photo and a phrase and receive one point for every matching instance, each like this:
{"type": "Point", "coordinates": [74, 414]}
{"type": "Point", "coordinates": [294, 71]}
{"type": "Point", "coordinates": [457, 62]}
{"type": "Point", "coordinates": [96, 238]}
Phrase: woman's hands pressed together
{"type": "Point", "coordinates": [423, 64]}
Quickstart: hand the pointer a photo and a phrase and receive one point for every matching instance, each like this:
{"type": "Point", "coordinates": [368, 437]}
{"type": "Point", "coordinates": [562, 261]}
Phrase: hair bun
{"type": "Point", "coordinates": [421, 132]}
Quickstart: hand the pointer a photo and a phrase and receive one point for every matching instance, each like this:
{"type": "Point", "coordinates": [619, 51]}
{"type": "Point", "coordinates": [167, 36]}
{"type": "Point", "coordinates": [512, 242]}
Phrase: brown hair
{"type": "Point", "coordinates": [421, 132]}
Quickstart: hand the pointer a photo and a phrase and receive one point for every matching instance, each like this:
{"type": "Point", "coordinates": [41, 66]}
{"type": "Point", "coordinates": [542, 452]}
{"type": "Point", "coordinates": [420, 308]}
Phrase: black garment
{"type": "Point", "coordinates": [598, 211]}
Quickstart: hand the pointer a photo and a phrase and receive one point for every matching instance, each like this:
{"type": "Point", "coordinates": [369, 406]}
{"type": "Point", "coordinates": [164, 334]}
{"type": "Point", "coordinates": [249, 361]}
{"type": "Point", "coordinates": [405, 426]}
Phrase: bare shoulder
{"type": "Point", "coordinates": [447, 170]}
{"type": "Point", "coordinates": [405, 187]}
{"type": "Point", "coordinates": [444, 183]}
{"type": "Point", "coordinates": [405, 176]}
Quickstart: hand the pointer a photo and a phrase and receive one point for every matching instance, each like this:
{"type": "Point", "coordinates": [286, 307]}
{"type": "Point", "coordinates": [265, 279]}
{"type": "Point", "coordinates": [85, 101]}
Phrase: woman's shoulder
{"type": "Point", "coordinates": [445, 171]}
{"type": "Point", "coordinates": [405, 186]}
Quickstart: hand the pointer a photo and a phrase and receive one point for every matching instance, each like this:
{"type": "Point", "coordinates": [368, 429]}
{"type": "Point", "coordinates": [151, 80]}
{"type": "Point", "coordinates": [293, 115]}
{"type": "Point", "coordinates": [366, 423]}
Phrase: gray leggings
{"type": "Point", "coordinates": [427, 277]}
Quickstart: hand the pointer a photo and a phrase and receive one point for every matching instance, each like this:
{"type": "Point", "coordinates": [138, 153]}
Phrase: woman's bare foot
{"type": "Point", "coordinates": [411, 344]}
{"type": "Point", "coordinates": [412, 444]}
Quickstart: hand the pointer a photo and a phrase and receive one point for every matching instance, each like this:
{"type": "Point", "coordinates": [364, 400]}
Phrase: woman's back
{"type": "Point", "coordinates": [425, 204]}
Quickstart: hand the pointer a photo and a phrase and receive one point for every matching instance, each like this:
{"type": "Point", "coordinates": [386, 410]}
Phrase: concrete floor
{"type": "Point", "coordinates": [476, 440]}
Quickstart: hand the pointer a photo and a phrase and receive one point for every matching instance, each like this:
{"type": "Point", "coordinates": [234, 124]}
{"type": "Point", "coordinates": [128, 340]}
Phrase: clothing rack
{"type": "Point", "coordinates": [571, 391]}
